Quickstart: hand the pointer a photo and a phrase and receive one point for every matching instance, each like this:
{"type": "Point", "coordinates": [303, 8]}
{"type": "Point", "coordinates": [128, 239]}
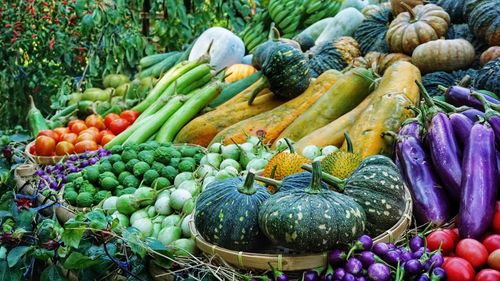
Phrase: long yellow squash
{"type": "Point", "coordinates": [396, 92]}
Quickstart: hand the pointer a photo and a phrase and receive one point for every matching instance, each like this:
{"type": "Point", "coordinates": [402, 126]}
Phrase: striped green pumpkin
{"type": "Point", "coordinates": [311, 219]}
{"type": "Point", "coordinates": [227, 213]}
{"type": "Point", "coordinates": [372, 31]}
{"type": "Point", "coordinates": [484, 21]}
{"type": "Point", "coordinates": [488, 77]}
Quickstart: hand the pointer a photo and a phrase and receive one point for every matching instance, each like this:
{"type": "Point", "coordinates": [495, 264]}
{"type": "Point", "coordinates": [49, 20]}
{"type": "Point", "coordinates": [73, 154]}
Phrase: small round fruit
{"type": "Point", "coordinates": [95, 121]}
{"type": "Point", "coordinates": [86, 145]}
{"type": "Point", "coordinates": [69, 137]}
{"type": "Point", "coordinates": [109, 118]}
{"type": "Point", "coordinates": [440, 238]}
{"type": "Point", "coordinates": [118, 126]}
{"type": "Point", "coordinates": [129, 115]}
{"type": "Point", "coordinates": [78, 127]}
{"type": "Point", "coordinates": [85, 136]}
{"type": "Point", "coordinates": [107, 138]}
{"type": "Point", "coordinates": [494, 260]}
{"type": "Point", "coordinates": [64, 148]}
{"type": "Point", "coordinates": [458, 269]}
{"type": "Point", "coordinates": [45, 146]}
{"type": "Point", "coordinates": [61, 131]}
{"type": "Point", "coordinates": [472, 251]}
{"type": "Point", "coordinates": [49, 133]}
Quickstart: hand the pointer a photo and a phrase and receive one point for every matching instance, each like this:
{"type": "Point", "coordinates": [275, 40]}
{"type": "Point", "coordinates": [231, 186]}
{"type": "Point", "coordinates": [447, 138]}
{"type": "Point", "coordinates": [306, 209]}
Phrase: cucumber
{"type": "Point", "coordinates": [153, 59]}
{"type": "Point", "coordinates": [234, 88]}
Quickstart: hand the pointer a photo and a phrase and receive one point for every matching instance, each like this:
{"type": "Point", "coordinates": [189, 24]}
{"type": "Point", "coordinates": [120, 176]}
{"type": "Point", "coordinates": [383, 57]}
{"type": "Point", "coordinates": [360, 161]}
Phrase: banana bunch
{"type": "Point", "coordinates": [287, 15]}
{"type": "Point", "coordinates": [316, 10]}
{"type": "Point", "coordinates": [256, 31]}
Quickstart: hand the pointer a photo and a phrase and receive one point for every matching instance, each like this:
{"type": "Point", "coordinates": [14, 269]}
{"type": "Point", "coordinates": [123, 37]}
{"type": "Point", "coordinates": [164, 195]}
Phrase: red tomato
{"type": "Point", "coordinates": [32, 150]}
{"type": "Point", "coordinates": [61, 131]}
{"type": "Point", "coordinates": [94, 132]}
{"type": "Point", "coordinates": [64, 147]}
{"type": "Point", "coordinates": [472, 251]}
{"type": "Point", "coordinates": [95, 121]}
{"type": "Point", "coordinates": [458, 269]}
{"type": "Point", "coordinates": [107, 138]}
{"type": "Point", "coordinates": [45, 146]}
{"type": "Point", "coordinates": [85, 136]}
{"type": "Point", "coordinates": [496, 222]}
{"type": "Point", "coordinates": [85, 145]}
{"type": "Point", "coordinates": [488, 275]}
{"type": "Point", "coordinates": [440, 238]}
{"type": "Point", "coordinates": [70, 123]}
{"type": "Point", "coordinates": [78, 127]}
{"type": "Point", "coordinates": [492, 242]}
{"type": "Point", "coordinates": [49, 133]}
{"type": "Point", "coordinates": [119, 125]}
{"type": "Point", "coordinates": [69, 137]}
{"type": "Point", "coordinates": [454, 234]}
{"type": "Point", "coordinates": [109, 118]}
{"type": "Point", "coordinates": [494, 259]}
{"type": "Point", "coordinates": [129, 115]}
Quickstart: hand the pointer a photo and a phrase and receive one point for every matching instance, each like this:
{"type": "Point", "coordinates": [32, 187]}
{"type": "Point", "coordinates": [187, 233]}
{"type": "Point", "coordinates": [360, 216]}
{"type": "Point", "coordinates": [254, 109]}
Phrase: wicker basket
{"type": "Point", "coordinates": [291, 262]}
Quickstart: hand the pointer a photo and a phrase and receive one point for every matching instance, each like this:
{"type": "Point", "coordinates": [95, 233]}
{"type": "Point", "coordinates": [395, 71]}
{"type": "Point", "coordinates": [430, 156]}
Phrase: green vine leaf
{"type": "Point", "coordinates": [16, 254]}
{"type": "Point", "coordinates": [79, 261]}
{"type": "Point", "coordinates": [52, 273]}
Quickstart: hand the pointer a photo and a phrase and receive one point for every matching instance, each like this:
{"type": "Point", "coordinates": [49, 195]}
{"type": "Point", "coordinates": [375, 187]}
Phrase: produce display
{"type": "Point", "coordinates": [309, 140]}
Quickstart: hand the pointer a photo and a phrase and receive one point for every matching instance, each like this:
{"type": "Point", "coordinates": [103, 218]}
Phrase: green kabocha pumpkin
{"type": "Point", "coordinates": [378, 187]}
{"type": "Point", "coordinates": [296, 181]}
{"type": "Point", "coordinates": [488, 77]}
{"type": "Point", "coordinates": [337, 55]}
{"type": "Point", "coordinates": [227, 213]}
{"type": "Point", "coordinates": [484, 21]}
{"type": "Point", "coordinates": [311, 219]}
{"type": "Point", "coordinates": [372, 32]}
{"type": "Point", "coordinates": [455, 8]}
{"type": "Point", "coordinates": [433, 80]}
{"type": "Point", "coordinates": [263, 50]}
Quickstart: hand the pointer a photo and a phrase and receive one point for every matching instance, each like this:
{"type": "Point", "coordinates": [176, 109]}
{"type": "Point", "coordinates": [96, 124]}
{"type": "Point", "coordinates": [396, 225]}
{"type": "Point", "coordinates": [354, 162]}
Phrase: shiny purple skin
{"type": "Point", "coordinates": [379, 272]}
{"type": "Point", "coordinates": [349, 277]}
{"type": "Point", "coordinates": [430, 201]}
{"type": "Point", "coordinates": [419, 253]}
{"type": "Point", "coordinates": [495, 125]}
{"type": "Point", "coordinates": [406, 256]}
{"type": "Point", "coordinates": [336, 257]}
{"type": "Point", "coordinates": [380, 249]}
{"type": "Point", "coordinates": [392, 257]}
{"type": "Point", "coordinates": [437, 259]}
{"type": "Point", "coordinates": [416, 242]}
{"type": "Point", "coordinates": [439, 273]}
{"type": "Point", "coordinates": [361, 278]}
{"type": "Point", "coordinates": [354, 266]}
{"type": "Point", "coordinates": [413, 129]}
{"type": "Point", "coordinates": [458, 96]}
{"type": "Point", "coordinates": [413, 267]}
{"type": "Point", "coordinates": [367, 258]}
{"type": "Point", "coordinates": [479, 185]}
{"type": "Point", "coordinates": [327, 277]}
{"type": "Point", "coordinates": [310, 276]}
{"type": "Point", "coordinates": [498, 167]}
{"type": "Point", "coordinates": [424, 277]}
{"type": "Point", "coordinates": [282, 277]}
{"type": "Point", "coordinates": [339, 273]}
{"type": "Point", "coordinates": [445, 154]}
{"type": "Point", "coordinates": [472, 114]}
{"type": "Point", "coordinates": [365, 242]}
{"type": "Point", "coordinates": [461, 127]}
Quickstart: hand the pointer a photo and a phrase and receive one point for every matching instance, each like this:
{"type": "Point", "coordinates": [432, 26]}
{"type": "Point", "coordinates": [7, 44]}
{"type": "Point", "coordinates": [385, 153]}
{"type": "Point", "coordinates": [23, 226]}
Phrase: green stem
{"type": "Point", "coordinates": [247, 187]}
{"type": "Point", "coordinates": [349, 142]}
{"type": "Point", "coordinates": [290, 146]}
{"type": "Point", "coordinates": [489, 110]}
{"type": "Point", "coordinates": [427, 98]}
{"type": "Point", "coordinates": [450, 108]}
{"type": "Point", "coordinates": [329, 179]}
{"type": "Point", "coordinates": [261, 85]}
{"type": "Point", "coordinates": [269, 181]}
{"type": "Point", "coordinates": [315, 186]}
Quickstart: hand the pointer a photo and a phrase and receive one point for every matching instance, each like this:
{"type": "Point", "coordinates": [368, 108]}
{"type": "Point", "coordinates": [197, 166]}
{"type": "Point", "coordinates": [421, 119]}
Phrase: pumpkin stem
{"type": "Point", "coordinates": [349, 142]}
{"type": "Point", "coordinates": [465, 81]}
{"type": "Point", "coordinates": [315, 186]}
{"type": "Point", "coordinates": [262, 83]}
{"type": "Point", "coordinates": [269, 181]}
{"type": "Point", "coordinates": [274, 33]}
{"type": "Point", "coordinates": [329, 179]}
{"type": "Point", "coordinates": [290, 146]}
{"type": "Point", "coordinates": [409, 9]}
{"type": "Point", "coordinates": [247, 187]}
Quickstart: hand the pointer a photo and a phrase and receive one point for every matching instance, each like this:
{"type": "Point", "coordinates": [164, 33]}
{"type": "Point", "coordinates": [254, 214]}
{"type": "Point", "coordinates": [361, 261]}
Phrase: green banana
{"type": "Point", "coordinates": [281, 16]}
{"type": "Point", "coordinates": [315, 6]}
{"type": "Point", "coordinates": [257, 41]}
{"type": "Point", "coordinates": [273, 5]}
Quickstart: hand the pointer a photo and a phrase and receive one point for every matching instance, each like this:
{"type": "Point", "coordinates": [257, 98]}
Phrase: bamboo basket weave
{"type": "Point", "coordinates": [42, 160]}
{"type": "Point", "coordinates": [289, 261]}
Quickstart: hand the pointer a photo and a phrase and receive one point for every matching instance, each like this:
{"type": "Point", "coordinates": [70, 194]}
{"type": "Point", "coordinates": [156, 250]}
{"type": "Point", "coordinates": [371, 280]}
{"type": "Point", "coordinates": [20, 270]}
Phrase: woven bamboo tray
{"type": "Point", "coordinates": [43, 160]}
{"type": "Point", "coordinates": [293, 262]}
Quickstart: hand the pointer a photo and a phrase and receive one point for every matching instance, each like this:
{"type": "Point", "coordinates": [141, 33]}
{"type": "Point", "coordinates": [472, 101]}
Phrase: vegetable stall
{"type": "Point", "coordinates": [320, 140]}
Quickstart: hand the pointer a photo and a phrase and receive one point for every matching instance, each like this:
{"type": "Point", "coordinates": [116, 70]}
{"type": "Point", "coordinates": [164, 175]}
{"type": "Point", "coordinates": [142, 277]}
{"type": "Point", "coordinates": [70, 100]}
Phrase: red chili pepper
{"type": "Point", "coordinates": [13, 40]}
{"type": "Point", "coordinates": [23, 203]}
{"type": "Point", "coordinates": [16, 34]}
{"type": "Point", "coordinates": [45, 4]}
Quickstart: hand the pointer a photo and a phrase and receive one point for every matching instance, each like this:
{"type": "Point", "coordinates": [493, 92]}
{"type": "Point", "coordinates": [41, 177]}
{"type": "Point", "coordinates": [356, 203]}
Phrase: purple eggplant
{"type": "Point", "coordinates": [459, 96]}
{"type": "Point", "coordinates": [473, 114]}
{"type": "Point", "coordinates": [354, 266]}
{"type": "Point", "coordinates": [380, 249]}
{"type": "Point", "coordinates": [379, 272]}
{"type": "Point", "coordinates": [492, 115]}
{"type": "Point", "coordinates": [337, 257]}
{"type": "Point", "coordinates": [416, 242]}
{"type": "Point", "coordinates": [461, 125]}
{"type": "Point", "coordinates": [479, 182]}
{"type": "Point", "coordinates": [411, 127]}
{"type": "Point", "coordinates": [429, 198]}
{"type": "Point", "coordinates": [413, 267]}
{"type": "Point", "coordinates": [367, 258]}
{"type": "Point", "coordinates": [310, 275]}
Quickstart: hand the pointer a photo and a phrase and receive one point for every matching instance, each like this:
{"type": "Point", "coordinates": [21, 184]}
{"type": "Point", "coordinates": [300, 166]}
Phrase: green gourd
{"type": "Point", "coordinates": [378, 187]}
{"type": "Point", "coordinates": [311, 219]}
{"type": "Point", "coordinates": [226, 213]}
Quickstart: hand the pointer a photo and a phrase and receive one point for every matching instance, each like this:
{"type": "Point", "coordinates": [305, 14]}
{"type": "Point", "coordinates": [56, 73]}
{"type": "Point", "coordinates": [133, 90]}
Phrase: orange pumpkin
{"type": "Point", "coordinates": [238, 71]}
{"type": "Point", "coordinates": [490, 54]}
{"type": "Point", "coordinates": [397, 6]}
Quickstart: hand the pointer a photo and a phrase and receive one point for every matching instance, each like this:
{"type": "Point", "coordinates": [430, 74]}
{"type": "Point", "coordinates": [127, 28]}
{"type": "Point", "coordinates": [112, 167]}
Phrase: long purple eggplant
{"type": "Point", "coordinates": [443, 147]}
{"type": "Point", "coordinates": [479, 183]}
{"type": "Point", "coordinates": [461, 125]}
{"type": "Point", "coordinates": [492, 115]}
{"type": "Point", "coordinates": [411, 127]}
{"type": "Point", "coordinates": [459, 96]}
{"type": "Point", "coordinates": [471, 113]}
{"type": "Point", "coordinates": [430, 203]}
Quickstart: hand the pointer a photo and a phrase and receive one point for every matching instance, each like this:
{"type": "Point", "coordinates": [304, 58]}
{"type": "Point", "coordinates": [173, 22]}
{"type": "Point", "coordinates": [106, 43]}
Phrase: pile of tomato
{"type": "Point", "coordinates": [469, 259]}
{"type": "Point", "coordinates": [82, 135]}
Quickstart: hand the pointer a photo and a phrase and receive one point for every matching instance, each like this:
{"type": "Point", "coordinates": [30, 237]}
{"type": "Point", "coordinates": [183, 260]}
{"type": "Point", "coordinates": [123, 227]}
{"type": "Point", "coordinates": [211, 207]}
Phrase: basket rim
{"type": "Point", "coordinates": [389, 235]}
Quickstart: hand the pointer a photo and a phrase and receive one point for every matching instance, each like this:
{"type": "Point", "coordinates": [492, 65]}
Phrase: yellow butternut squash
{"type": "Point", "coordinates": [396, 92]}
{"type": "Point", "coordinates": [273, 122]}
